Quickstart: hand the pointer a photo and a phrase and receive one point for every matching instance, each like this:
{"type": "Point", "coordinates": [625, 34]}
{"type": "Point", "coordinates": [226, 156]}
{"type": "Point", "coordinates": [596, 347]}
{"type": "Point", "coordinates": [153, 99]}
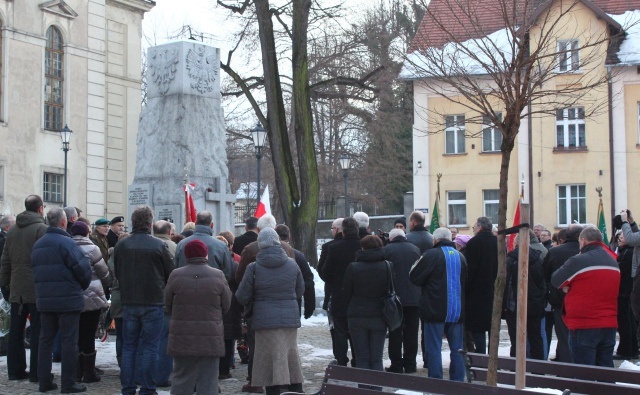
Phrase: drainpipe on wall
{"type": "Point", "coordinates": [611, 168]}
{"type": "Point", "coordinates": [530, 133]}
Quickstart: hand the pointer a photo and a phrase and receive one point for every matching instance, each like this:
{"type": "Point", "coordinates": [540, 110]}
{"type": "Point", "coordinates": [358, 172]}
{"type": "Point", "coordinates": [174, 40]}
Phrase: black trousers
{"type": "Point", "coordinates": [628, 345]}
{"type": "Point", "coordinates": [341, 343]}
{"type": "Point", "coordinates": [87, 331]}
{"type": "Point", "coordinates": [563, 353]}
{"type": "Point", "coordinates": [225, 362]}
{"type": "Point", "coordinates": [535, 347]}
{"type": "Point", "coordinates": [405, 338]}
{"type": "Point", "coordinates": [67, 324]}
{"type": "Point", "coordinates": [16, 358]}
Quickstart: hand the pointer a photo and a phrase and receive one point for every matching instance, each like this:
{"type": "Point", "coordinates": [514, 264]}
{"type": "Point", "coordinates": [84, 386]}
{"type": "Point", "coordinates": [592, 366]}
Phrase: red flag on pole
{"type": "Point", "coordinates": [264, 207]}
{"type": "Point", "coordinates": [516, 221]}
{"type": "Point", "coordinates": [190, 208]}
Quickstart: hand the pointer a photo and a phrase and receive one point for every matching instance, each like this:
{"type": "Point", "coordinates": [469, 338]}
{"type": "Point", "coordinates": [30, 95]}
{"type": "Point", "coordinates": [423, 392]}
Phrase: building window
{"type": "Point", "coordinates": [454, 134]}
{"type": "Point", "coordinates": [570, 128]}
{"type": "Point", "coordinates": [491, 136]}
{"type": "Point", "coordinates": [457, 208]}
{"type": "Point", "coordinates": [638, 122]}
{"type": "Point", "coordinates": [572, 204]}
{"type": "Point", "coordinates": [568, 55]}
{"type": "Point", "coordinates": [53, 75]}
{"type": "Point", "coordinates": [491, 198]}
{"type": "Point", "coordinates": [52, 188]}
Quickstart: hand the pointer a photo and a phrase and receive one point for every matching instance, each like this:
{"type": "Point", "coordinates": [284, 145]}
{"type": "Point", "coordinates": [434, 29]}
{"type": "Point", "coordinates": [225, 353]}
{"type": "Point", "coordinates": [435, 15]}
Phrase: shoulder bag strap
{"type": "Point", "coordinates": [391, 287]}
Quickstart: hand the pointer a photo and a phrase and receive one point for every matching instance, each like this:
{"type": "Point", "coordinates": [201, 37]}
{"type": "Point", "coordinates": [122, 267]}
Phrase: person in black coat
{"type": "Point", "coordinates": [536, 301]}
{"type": "Point", "coordinates": [249, 236]}
{"type": "Point", "coordinates": [556, 257]}
{"type": "Point", "coordinates": [628, 346]}
{"type": "Point", "coordinates": [339, 256]}
{"type": "Point", "coordinates": [403, 255]}
{"type": "Point", "coordinates": [482, 260]}
{"type": "Point", "coordinates": [336, 232]}
{"type": "Point", "coordinates": [309, 285]}
{"type": "Point", "coordinates": [366, 282]}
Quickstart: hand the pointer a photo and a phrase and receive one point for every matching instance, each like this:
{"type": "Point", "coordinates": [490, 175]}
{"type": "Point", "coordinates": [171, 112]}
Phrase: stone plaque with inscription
{"type": "Point", "coordinates": [168, 212]}
{"type": "Point", "coordinates": [139, 195]}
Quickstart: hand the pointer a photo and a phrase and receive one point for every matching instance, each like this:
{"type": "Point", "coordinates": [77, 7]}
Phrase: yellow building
{"type": "Point", "coordinates": [562, 152]}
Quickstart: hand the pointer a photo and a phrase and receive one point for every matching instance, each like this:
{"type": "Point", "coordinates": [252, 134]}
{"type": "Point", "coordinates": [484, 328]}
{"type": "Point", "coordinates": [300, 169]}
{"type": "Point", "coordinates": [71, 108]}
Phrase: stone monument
{"type": "Point", "coordinates": [181, 136]}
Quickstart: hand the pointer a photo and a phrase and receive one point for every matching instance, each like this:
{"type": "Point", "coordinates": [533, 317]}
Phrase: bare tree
{"type": "Point", "coordinates": [500, 59]}
{"type": "Point", "coordinates": [283, 33]}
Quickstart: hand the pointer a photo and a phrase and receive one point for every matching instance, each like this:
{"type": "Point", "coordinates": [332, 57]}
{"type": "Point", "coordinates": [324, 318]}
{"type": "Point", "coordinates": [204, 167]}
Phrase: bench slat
{"type": "Point", "coordinates": [560, 383]}
{"type": "Point", "coordinates": [412, 382]}
{"type": "Point", "coordinates": [560, 369]}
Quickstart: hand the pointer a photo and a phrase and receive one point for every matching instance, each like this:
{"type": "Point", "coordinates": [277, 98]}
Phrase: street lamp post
{"type": "Point", "coordinates": [258, 134]}
{"type": "Point", "coordinates": [345, 164]}
{"type": "Point", "coordinates": [65, 135]}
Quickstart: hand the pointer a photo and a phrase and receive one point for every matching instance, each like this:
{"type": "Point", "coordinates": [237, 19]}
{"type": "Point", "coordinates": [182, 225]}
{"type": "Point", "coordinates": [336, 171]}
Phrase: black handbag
{"type": "Point", "coordinates": [391, 306]}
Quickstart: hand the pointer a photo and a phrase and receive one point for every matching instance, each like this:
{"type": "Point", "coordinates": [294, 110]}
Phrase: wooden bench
{"type": "Point", "coordinates": [580, 379]}
{"type": "Point", "coordinates": [342, 380]}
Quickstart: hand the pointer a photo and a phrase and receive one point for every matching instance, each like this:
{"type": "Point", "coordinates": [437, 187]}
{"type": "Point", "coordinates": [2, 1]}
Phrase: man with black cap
{"type": "Point", "coordinates": [115, 230]}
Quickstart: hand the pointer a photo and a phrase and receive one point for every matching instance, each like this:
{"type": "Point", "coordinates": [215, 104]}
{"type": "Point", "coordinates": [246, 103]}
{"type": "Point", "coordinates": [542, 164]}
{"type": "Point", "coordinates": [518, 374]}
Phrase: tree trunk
{"type": "Point", "coordinates": [494, 334]}
{"type": "Point", "coordinates": [299, 204]}
{"type": "Point", "coordinates": [305, 210]}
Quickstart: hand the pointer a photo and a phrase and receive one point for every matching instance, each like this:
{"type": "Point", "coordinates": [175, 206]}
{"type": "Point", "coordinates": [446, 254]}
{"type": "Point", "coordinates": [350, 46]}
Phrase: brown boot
{"type": "Point", "coordinates": [80, 368]}
{"type": "Point", "coordinates": [90, 375]}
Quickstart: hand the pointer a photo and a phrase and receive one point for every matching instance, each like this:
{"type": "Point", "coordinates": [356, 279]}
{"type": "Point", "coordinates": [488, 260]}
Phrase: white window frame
{"type": "Point", "coordinates": [567, 123]}
{"type": "Point", "coordinates": [569, 56]}
{"type": "Point", "coordinates": [457, 125]}
{"type": "Point", "coordinates": [486, 201]}
{"type": "Point", "coordinates": [47, 195]}
{"type": "Point", "coordinates": [580, 199]}
{"type": "Point", "coordinates": [639, 122]}
{"type": "Point", "coordinates": [495, 135]}
{"type": "Point", "coordinates": [456, 202]}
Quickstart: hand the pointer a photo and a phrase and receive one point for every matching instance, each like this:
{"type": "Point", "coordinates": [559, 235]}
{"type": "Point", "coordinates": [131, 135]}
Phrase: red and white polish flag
{"type": "Point", "coordinates": [190, 208]}
{"type": "Point", "coordinates": [264, 207]}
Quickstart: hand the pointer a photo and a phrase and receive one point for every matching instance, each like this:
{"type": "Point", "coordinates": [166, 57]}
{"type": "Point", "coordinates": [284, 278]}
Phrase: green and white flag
{"type": "Point", "coordinates": [435, 215]}
{"type": "Point", "coordinates": [602, 224]}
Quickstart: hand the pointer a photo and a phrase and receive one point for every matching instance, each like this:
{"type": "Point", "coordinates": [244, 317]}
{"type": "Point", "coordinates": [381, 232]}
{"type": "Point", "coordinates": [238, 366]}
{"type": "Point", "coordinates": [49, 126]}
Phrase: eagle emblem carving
{"type": "Point", "coordinates": [202, 69]}
{"type": "Point", "coordinates": [163, 67]}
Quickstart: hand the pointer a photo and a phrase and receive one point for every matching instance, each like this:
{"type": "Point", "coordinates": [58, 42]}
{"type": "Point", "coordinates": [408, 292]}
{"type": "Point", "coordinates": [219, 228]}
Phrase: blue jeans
{"type": "Point", "coordinates": [142, 326]}
{"type": "Point", "coordinates": [165, 362]}
{"type": "Point", "coordinates": [592, 346]}
{"type": "Point", "coordinates": [433, 344]}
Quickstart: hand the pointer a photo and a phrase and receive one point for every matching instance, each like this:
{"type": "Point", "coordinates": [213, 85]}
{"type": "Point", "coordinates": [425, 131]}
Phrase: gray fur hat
{"type": "Point", "coordinates": [268, 238]}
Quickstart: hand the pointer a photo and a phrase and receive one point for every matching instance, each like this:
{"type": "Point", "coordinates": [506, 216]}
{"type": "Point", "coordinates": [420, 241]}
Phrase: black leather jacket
{"type": "Point", "coordinates": [142, 265]}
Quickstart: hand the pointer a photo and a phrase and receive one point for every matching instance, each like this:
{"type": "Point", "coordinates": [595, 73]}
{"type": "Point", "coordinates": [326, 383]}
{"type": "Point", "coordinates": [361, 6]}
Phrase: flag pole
{"type": "Point", "coordinates": [186, 196]}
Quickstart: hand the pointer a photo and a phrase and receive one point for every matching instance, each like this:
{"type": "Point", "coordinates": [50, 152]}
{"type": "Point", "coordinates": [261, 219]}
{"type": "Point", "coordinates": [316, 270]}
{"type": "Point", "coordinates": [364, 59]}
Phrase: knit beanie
{"type": "Point", "coordinates": [79, 228]}
{"type": "Point", "coordinates": [462, 240]}
{"type": "Point", "coordinates": [195, 249]}
{"type": "Point", "coordinates": [401, 220]}
{"type": "Point", "coordinates": [268, 238]}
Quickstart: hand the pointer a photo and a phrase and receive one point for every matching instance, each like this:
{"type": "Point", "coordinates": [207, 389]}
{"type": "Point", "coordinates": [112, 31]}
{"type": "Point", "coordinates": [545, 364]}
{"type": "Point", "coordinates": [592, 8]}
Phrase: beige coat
{"type": "Point", "coordinates": [196, 296]}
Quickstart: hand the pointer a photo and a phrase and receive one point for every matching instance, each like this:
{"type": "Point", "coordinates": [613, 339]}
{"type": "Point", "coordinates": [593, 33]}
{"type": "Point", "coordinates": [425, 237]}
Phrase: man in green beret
{"type": "Point", "coordinates": [99, 237]}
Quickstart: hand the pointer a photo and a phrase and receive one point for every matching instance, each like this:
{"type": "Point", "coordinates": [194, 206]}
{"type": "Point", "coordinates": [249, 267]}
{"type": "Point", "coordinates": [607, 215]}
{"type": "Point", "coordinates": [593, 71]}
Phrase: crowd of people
{"type": "Point", "coordinates": [181, 301]}
{"type": "Point", "coordinates": [584, 287]}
